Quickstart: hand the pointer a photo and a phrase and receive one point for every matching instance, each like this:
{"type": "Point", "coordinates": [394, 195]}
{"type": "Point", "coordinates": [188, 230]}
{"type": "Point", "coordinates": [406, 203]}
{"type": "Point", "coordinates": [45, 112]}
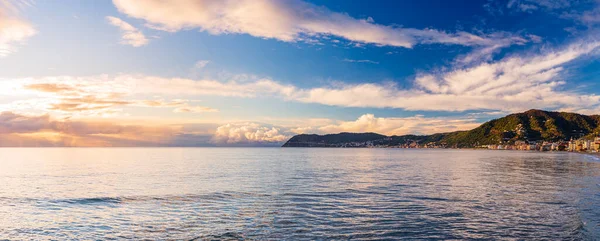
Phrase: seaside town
{"type": "Point", "coordinates": [579, 145]}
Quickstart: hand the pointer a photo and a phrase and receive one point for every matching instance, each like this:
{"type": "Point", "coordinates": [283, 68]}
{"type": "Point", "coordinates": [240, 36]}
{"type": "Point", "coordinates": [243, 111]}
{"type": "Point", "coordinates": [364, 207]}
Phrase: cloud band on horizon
{"type": "Point", "coordinates": [515, 83]}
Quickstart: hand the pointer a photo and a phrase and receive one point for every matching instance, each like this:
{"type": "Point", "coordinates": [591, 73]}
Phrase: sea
{"type": "Point", "coordinates": [296, 194]}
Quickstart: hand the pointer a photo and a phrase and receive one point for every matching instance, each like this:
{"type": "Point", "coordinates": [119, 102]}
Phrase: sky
{"type": "Point", "coordinates": [257, 72]}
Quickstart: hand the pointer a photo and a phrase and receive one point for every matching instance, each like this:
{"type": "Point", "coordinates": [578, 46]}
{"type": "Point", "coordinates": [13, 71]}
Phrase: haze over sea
{"type": "Point", "coordinates": [296, 193]}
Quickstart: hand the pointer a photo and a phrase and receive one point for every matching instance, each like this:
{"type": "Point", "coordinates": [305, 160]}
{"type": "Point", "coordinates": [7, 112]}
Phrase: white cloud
{"type": "Point", "coordinates": [194, 109]}
{"type": "Point", "coordinates": [142, 84]}
{"type": "Point", "coordinates": [84, 97]}
{"type": "Point", "coordinates": [201, 64]}
{"type": "Point", "coordinates": [181, 106]}
{"type": "Point", "coordinates": [478, 55]}
{"type": "Point", "coordinates": [247, 133]}
{"type": "Point", "coordinates": [584, 12]}
{"type": "Point", "coordinates": [13, 31]}
{"type": "Point", "coordinates": [360, 61]}
{"type": "Point", "coordinates": [515, 83]}
{"type": "Point", "coordinates": [130, 35]}
{"type": "Point", "coordinates": [181, 86]}
{"type": "Point", "coordinates": [290, 21]}
{"type": "Point", "coordinates": [530, 5]}
{"type": "Point", "coordinates": [244, 133]}
{"type": "Point", "coordinates": [396, 126]}
{"type": "Point", "coordinates": [591, 17]}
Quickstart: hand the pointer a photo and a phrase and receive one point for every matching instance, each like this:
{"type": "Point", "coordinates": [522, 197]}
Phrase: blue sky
{"type": "Point", "coordinates": [257, 72]}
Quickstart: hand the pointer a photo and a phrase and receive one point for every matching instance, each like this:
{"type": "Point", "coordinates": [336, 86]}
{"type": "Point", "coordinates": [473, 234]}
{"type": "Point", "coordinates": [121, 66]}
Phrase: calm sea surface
{"type": "Point", "coordinates": [279, 193]}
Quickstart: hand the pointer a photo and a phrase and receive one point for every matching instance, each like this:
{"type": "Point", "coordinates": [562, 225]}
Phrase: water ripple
{"type": "Point", "coordinates": [303, 194]}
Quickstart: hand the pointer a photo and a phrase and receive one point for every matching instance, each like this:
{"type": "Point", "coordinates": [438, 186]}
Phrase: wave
{"type": "Point", "coordinates": [91, 200]}
{"type": "Point", "coordinates": [223, 236]}
{"type": "Point", "coordinates": [101, 200]}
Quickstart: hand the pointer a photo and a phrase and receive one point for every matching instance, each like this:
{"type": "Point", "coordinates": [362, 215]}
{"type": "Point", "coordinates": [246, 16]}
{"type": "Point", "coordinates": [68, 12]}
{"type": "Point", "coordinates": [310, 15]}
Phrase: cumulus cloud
{"type": "Point", "coordinates": [400, 126]}
{"type": "Point", "coordinates": [255, 133]}
{"type": "Point", "coordinates": [249, 133]}
{"type": "Point", "coordinates": [290, 21]}
{"type": "Point", "coordinates": [130, 35]}
{"type": "Point", "coordinates": [13, 30]}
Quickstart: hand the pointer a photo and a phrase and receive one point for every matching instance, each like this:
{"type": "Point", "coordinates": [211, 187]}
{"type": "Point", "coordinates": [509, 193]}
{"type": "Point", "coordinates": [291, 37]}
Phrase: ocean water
{"type": "Point", "coordinates": [296, 194]}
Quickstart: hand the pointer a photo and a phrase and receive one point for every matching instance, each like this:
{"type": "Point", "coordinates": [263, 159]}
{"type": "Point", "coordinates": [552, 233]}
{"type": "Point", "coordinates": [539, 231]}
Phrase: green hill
{"type": "Point", "coordinates": [331, 140]}
{"type": "Point", "coordinates": [532, 125]}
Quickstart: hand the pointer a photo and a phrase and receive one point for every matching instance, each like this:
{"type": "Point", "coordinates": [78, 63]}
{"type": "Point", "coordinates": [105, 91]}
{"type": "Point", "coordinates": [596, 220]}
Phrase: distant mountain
{"type": "Point", "coordinates": [331, 140]}
{"type": "Point", "coordinates": [532, 126]}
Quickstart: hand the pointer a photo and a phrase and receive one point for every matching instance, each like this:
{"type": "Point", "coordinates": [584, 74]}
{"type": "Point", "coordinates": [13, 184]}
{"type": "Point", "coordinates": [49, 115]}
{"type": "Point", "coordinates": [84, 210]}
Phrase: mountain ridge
{"type": "Point", "coordinates": [530, 126]}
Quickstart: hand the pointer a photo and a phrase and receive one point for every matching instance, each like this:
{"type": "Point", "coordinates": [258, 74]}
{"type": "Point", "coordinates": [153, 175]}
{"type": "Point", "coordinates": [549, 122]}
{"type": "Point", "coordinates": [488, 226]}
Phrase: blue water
{"type": "Point", "coordinates": [295, 194]}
